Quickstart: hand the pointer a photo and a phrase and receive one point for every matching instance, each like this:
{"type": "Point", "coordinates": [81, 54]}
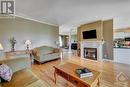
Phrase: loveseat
{"type": "Point", "coordinates": [45, 53]}
{"type": "Point", "coordinates": [22, 74]}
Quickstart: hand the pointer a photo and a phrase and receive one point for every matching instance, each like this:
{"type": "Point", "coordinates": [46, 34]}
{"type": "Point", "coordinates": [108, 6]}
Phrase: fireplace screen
{"type": "Point", "coordinates": [90, 53]}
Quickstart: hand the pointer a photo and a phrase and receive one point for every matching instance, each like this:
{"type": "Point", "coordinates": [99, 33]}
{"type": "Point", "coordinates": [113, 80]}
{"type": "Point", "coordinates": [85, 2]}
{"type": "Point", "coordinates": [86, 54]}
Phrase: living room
{"type": "Point", "coordinates": [44, 43]}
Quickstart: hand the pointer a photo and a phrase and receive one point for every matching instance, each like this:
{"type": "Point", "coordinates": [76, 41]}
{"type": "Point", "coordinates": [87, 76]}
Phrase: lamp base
{"type": "Point", "coordinates": [12, 49]}
{"type": "Point", "coordinates": [27, 47]}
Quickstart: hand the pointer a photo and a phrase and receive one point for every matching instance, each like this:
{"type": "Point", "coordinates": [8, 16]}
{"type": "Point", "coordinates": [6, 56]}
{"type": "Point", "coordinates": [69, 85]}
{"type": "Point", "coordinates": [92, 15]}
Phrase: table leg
{"type": "Point", "coordinates": [98, 83]}
{"type": "Point", "coordinates": [55, 76]}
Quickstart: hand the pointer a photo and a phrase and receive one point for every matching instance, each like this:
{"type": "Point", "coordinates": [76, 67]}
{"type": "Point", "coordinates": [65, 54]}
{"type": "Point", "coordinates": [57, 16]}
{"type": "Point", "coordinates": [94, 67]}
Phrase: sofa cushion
{"type": "Point", "coordinates": [5, 72]}
{"type": "Point", "coordinates": [41, 51]}
{"type": "Point", "coordinates": [45, 53]}
{"type": "Point", "coordinates": [44, 50]}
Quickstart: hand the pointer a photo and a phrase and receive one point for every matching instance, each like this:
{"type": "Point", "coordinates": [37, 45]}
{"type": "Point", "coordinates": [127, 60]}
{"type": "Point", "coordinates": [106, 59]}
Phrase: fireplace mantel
{"type": "Point", "coordinates": [93, 41]}
{"type": "Point", "coordinates": [92, 44]}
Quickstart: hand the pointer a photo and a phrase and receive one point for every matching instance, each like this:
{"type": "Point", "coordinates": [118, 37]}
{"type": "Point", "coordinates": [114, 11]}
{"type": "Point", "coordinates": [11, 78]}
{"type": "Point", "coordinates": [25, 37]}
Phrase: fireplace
{"type": "Point", "coordinates": [92, 50]}
{"type": "Point", "coordinates": [90, 53]}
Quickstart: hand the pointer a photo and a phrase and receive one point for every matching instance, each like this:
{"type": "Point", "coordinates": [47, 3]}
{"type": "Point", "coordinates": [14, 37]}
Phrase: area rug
{"type": "Point", "coordinates": [39, 83]}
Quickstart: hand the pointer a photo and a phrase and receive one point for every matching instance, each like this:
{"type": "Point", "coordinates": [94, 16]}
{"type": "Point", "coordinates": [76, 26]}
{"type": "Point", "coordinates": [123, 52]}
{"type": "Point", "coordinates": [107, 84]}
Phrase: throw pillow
{"type": "Point", "coordinates": [55, 50]}
{"type": "Point", "coordinates": [5, 72]}
{"type": "Point", "coordinates": [35, 52]}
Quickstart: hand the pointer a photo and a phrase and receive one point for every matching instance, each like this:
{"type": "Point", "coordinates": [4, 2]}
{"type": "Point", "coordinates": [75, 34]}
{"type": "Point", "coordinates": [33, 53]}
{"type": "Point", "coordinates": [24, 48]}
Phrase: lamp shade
{"type": "Point", "coordinates": [28, 42]}
{"type": "Point", "coordinates": [1, 47]}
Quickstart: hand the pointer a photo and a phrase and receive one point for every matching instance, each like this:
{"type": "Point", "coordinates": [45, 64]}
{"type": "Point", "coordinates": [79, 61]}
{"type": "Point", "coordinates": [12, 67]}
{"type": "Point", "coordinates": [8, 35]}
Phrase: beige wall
{"type": "Point", "coordinates": [108, 38]}
{"type": "Point", "coordinates": [23, 29]}
{"type": "Point", "coordinates": [78, 38]}
{"type": "Point", "coordinates": [91, 26]}
{"type": "Point", "coordinates": [104, 33]}
{"type": "Point", "coordinates": [79, 34]}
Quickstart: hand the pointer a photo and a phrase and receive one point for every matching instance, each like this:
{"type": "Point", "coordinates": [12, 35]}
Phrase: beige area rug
{"type": "Point", "coordinates": [46, 73]}
{"type": "Point", "coordinates": [25, 78]}
{"type": "Point", "coordinates": [39, 83]}
{"type": "Point", "coordinates": [49, 78]}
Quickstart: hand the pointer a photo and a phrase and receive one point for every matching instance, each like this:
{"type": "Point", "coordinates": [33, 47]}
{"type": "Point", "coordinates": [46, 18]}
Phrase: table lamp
{"type": "Point", "coordinates": [28, 44]}
{"type": "Point", "coordinates": [1, 47]}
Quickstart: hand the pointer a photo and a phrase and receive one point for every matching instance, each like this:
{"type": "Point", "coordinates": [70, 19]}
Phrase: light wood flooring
{"type": "Point", "coordinates": [109, 78]}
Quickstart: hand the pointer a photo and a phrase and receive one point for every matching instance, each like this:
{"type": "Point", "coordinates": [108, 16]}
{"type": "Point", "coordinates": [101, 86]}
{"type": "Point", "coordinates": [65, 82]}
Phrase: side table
{"type": "Point", "coordinates": [18, 52]}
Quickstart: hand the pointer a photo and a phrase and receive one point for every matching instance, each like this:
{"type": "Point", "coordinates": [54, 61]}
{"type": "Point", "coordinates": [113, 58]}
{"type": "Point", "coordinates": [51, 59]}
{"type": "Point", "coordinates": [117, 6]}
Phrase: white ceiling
{"type": "Point", "coordinates": [69, 14]}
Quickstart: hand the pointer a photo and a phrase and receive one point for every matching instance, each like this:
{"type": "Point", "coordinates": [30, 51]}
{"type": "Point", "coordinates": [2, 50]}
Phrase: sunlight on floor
{"type": "Point", "coordinates": [109, 71]}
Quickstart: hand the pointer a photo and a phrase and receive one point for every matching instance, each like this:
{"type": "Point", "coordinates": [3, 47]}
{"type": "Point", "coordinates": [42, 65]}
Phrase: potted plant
{"type": "Point", "coordinates": [12, 42]}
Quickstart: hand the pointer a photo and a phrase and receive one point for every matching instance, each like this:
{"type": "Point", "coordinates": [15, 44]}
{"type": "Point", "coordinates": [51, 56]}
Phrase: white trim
{"type": "Point", "coordinates": [69, 52]}
{"type": "Point", "coordinates": [93, 41]}
{"type": "Point", "coordinates": [36, 20]}
{"type": "Point", "coordinates": [91, 59]}
{"type": "Point", "coordinates": [108, 60]}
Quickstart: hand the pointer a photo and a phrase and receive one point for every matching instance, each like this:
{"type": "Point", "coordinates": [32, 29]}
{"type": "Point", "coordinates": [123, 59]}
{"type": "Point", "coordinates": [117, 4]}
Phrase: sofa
{"type": "Point", "coordinates": [22, 74]}
{"type": "Point", "coordinates": [45, 53]}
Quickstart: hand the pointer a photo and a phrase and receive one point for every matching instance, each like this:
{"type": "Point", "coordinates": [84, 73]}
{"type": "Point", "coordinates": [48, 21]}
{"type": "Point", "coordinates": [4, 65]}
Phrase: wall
{"type": "Point", "coordinates": [64, 40]}
{"type": "Point", "coordinates": [73, 38]}
{"type": "Point", "coordinates": [78, 38]}
{"type": "Point", "coordinates": [23, 29]}
{"type": "Point", "coordinates": [104, 33]}
{"type": "Point", "coordinates": [108, 38]}
{"type": "Point", "coordinates": [91, 26]}
{"type": "Point", "coordinates": [121, 33]}
{"type": "Point", "coordinates": [122, 30]}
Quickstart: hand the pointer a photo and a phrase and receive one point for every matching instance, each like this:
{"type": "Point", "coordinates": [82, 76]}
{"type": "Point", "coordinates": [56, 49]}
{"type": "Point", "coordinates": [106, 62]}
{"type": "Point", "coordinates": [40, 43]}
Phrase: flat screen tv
{"type": "Point", "coordinates": [90, 34]}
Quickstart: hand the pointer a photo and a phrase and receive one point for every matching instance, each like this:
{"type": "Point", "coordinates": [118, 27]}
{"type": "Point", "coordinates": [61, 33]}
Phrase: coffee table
{"type": "Point", "coordinates": [67, 71]}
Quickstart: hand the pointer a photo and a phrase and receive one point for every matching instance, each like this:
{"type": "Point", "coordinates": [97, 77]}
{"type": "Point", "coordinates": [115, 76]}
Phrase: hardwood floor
{"type": "Point", "coordinates": [110, 77]}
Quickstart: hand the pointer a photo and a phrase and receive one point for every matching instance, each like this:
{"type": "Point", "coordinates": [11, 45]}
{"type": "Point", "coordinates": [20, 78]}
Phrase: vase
{"type": "Point", "coordinates": [12, 48]}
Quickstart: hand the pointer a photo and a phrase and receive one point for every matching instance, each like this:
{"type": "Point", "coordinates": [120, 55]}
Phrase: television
{"type": "Point", "coordinates": [91, 34]}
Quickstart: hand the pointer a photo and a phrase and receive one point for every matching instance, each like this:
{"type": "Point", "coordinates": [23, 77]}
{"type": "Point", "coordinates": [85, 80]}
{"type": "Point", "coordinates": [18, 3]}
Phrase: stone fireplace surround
{"type": "Point", "coordinates": [92, 44]}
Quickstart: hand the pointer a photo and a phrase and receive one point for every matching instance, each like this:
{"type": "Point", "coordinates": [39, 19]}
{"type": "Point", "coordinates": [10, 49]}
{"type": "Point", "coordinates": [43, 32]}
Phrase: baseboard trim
{"type": "Point", "coordinates": [108, 60]}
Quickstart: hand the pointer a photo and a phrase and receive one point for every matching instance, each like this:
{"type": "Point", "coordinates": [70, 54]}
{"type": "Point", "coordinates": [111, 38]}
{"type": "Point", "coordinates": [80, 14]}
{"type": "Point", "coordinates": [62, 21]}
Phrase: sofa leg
{"type": "Point", "coordinates": [39, 63]}
{"type": "Point", "coordinates": [34, 61]}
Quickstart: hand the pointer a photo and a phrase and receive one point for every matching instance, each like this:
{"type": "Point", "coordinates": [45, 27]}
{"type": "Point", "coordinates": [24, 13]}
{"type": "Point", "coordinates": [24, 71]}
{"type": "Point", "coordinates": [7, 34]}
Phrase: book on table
{"type": "Point", "coordinates": [84, 72]}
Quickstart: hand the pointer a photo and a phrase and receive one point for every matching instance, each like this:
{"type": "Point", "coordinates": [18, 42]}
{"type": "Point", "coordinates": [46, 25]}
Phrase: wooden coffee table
{"type": "Point", "coordinates": [67, 71]}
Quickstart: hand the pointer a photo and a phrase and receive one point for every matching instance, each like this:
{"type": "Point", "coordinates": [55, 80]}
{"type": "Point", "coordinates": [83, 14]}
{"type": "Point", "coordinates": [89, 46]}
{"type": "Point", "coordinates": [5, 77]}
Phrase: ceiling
{"type": "Point", "coordinates": [68, 14]}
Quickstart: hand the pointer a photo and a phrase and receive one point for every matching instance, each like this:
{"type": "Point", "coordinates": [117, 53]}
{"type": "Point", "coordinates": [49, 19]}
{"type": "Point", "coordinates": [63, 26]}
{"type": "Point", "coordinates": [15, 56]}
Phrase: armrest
{"type": "Point", "coordinates": [17, 64]}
